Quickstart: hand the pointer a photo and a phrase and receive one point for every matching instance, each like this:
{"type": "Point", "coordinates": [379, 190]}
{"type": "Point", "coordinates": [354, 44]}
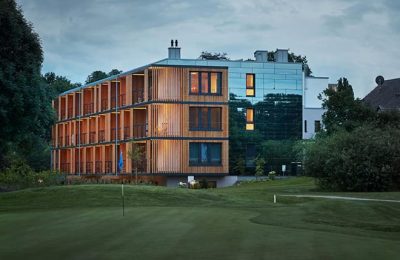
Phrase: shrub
{"type": "Point", "coordinates": [366, 159]}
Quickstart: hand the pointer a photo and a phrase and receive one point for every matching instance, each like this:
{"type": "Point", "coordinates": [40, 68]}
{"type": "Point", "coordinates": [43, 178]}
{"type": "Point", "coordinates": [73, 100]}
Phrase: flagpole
{"type": "Point", "coordinates": [123, 201]}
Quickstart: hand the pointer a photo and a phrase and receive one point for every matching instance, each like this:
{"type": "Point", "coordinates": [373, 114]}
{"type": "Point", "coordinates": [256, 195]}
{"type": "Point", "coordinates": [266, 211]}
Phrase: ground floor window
{"type": "Point", "coordinates": [205, 154]}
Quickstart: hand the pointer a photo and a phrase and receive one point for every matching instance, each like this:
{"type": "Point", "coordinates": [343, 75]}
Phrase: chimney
{"type": "Point", "coordinates": [261, 56]}
{"type": "Point", "coordinates": [281, 55]}
{"type": "Point", "coordinates": [174, 52]}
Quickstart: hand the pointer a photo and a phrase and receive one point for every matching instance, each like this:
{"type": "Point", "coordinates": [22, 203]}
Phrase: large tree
{"type": "Point", "coordinates": [25, 103]}
{"type": "Point", "coordinates": [59, 84]}
{"type": "Point", "coordinates": [98, 75]}
{"type": "Point", "coordinates": [342, 109]}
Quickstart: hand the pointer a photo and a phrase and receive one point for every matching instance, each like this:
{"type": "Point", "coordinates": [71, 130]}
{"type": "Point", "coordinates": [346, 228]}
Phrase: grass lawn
{"type": "Point", "coordinates": [86, 222]}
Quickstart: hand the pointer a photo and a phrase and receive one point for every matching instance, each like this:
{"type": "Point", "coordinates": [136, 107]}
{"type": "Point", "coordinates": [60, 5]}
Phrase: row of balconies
{"type": "Point", "coordinates": [89, 108]}
{"type": "Point", "coordinates": [139, 131]}
{"type": "Point", "coordinates": [97, 169]}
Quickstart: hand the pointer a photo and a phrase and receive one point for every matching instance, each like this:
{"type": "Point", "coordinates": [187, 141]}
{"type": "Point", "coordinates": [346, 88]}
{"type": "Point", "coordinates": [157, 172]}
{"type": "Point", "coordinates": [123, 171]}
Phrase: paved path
{"type": "Point", "coordinates": [337, 198]}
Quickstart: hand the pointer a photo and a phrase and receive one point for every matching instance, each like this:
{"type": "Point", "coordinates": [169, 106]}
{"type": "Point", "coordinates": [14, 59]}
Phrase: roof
{"type": "Point", "coordinates": [386, 96]}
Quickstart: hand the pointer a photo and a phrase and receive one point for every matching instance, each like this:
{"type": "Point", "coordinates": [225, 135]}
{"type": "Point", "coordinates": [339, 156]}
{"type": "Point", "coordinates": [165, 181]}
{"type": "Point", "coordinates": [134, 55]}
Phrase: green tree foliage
{"type": "Point", "coordinates": [136, 154]}
{"type": "Point", "coordinates": [365, 159]}
{"type": "Point", "coordinates": [343, 110]}
{"type": "Point", "coordinates": [278, 153]}
{"type": "Point", "coordinates": [25, 102]}
{"type": "Point", "coordinates": [260, 165]}
{"type": "Point", "coordinates": [99, 75]}
{"type": "Point", "coordinates": [59, 84]}
{"type": "Point", "coordinates": [205, 55]}
{"type": "Point", "coordinates": [95, 76]}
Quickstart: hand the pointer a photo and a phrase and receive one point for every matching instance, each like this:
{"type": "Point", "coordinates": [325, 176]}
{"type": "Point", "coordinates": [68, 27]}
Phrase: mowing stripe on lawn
{"type": "Point", "coordinates": [338, 198]}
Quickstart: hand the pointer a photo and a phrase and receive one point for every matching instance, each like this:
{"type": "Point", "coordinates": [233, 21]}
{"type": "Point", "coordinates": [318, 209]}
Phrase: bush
{"type": "Point", "coordinates": [366, 159]}
{"type": "Point", "coordinates": [19, 176]}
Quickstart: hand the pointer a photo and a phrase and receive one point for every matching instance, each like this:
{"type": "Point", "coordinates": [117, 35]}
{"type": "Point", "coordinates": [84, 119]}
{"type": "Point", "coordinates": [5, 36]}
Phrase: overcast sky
{"type": "Point", "coordinates": [357, 39]}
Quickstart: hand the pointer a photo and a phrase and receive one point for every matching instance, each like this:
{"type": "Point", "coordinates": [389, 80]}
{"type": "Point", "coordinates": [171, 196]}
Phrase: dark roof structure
{"type": "Point", "coordinates": [385, 96]}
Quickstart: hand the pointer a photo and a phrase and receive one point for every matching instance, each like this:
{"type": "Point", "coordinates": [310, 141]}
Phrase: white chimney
{"type": "Point", "coordinates": [281, 55]}
{"type": "Point", "coordinates": [261, 56]}
{"type": "Point", "coordinates": [174, 52]}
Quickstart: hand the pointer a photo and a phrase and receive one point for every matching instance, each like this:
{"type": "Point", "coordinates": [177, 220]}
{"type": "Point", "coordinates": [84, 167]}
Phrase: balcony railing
{"type": "Point", "coordinates": [108, 165]}
{"type": "Point", "coordinates": [115, 133]}
{"type": "Point", "coordinates": [137, 96]}
{"type": "Point", "coordinates": [78, 167]}
{"type": "Point", "coordinates": [139, 130]}
{"type": "Point", "coordinates": [92, 137]}
{"type": "Point", "coordinates": [127, 132]}
{"type": "Point", "coordinates": [60, 141]}
{"type": "Point", "coordinates": [113, 102]}
{"type": "Point", "coordinates": [67, 140]}
{"type": "Point", "coordinates": [82, 138]}
{"type": "Point", "coordinates": [102, 136]}
{"type": "Point", "coordinates": [64, 167]}
{"type": "Point", "coordinates": [122, 100]}
{"type": "Point", "coordinates": [98, 168]}
{"type": "Point", "coordinates": [104, 104]}
{"type": "Point", "coordinates": [89, 167]}
{"type": "Point", "coordinates": [70, 115]}
{"type": "Point", "coordinates": [88, 108]}
{"type": "Point", "coordinates": [62, 113]}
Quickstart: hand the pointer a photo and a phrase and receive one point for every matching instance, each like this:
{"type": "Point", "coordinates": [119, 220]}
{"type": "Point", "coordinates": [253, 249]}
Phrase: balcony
{"type": "Point", "coordinates": [67, 140]}
{"type": "Point", "coordinates": [82, 138]}
{"type": "Point", "coordinates": [102, 135]}
{"type": "Point", "coordinates": [70, 115]}
{"type": "Point", "coordinates": [60, 141]}
{"type": "Point", "coordinates": [108, 165]}
{"type": "Point", "coordinates": [139, 130]}
{"type": "Point", "coordinates": [104, 104]}
{"type": "Point", "coordinates": [115, 133]}
{"type": "Point", "coordinates": [78, 167]}
{"type": "Point", "coordinates": [88, 109]}
{"type": "Point", "coordinates": [62, 114]}
{"type": "Point", "coordinates": [64, 167]}
{"type": "Point", "coordinates": [127, 133]}
{"type": "Point", "coordinates": [122, 100]}
{"type": "Point", "coordinates": [92, 137]}
{"type": "Point", "coordinates": [97, 167]}
{"type": "Point", "coordinates": [89, 167]}
{"type": "Point", "coordinates": [137, 96]}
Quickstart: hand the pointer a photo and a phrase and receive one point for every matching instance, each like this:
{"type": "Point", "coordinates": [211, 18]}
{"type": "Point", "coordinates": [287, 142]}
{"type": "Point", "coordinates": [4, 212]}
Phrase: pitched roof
{"type": "Point", "coordinates": [386, 96]}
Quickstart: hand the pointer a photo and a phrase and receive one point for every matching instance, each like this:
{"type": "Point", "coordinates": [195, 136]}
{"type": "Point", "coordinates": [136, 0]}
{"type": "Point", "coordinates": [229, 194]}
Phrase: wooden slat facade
{"type": "Point", "coordinates": [150, 108]}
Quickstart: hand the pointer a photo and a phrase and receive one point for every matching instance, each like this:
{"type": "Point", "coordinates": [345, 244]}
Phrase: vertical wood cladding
{"type": "Point", "coordinates": [153, 112]}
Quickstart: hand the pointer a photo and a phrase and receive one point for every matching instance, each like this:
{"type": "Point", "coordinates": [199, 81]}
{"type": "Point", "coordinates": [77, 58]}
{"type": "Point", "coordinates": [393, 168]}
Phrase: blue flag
{"type": "Point", "coordinates": [120, 163]}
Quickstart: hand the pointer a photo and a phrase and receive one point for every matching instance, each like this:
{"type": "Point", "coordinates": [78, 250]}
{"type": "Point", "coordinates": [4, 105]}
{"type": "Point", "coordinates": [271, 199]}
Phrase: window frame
{"type": "Point", "coordinates": [251, 87]}
{"type": "Point", "coordinates": [199, 123]}
{"type": "Point", "coordinates": [209, 162]}
{"type": "Point", "coordinates": [317, 123]}
{"type": "Point", "coordinates": [199, 78]}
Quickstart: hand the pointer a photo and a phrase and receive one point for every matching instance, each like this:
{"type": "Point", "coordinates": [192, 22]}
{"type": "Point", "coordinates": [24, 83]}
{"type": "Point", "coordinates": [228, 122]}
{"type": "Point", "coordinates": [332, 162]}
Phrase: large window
{"type": "Point", "coordinates": [250, 119]}
{"type": "Point", "coordinates": [205, 83]}
{"type": "Point", "coordinates": [205, 118]}
{"type": "Point", "coordinates": [201, 154]}
{"type": "Point", "coordinates": [250, 85]}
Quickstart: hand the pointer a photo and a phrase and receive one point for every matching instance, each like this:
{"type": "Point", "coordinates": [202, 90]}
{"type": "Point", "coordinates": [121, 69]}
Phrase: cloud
{"type": "Point", "coordinates": [357, 39]}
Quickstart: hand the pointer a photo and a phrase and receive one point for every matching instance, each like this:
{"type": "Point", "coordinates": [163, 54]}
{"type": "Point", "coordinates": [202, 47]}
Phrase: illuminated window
{"type": "Point", "coordinates": [205, 83]}
{"type": "Point", "coordinates": [194, 82]}
{"type": "Point", "coordinates": [250, 85]}
{"type": "Point", "coordinates": [250, 119]}
{"type": "Point", "coordinates": [205, 118]}
{"type": "Point", "coordinates": [205, 154]}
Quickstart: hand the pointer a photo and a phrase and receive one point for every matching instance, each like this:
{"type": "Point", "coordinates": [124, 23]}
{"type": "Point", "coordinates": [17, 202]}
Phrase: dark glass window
{"type": "Point", "coordinates": [317, 126]}
{"type": "Point", "coordinates": [205, 118]}
{"type": "Point", "coordinates": [305, 126]}
{"type": "Point", "coordinates": [205, 154]}
{"type": "Point", "coordinates": [205, 83]}
{"type": "Point", "coordinates": [250, 85]}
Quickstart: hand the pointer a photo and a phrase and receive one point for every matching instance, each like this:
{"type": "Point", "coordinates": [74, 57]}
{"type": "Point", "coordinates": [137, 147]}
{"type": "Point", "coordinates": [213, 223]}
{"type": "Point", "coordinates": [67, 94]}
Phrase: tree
{"type": "Point", "coordinates": [240, 166]}
{"type": "Point", "coordinates": [260, 163]}
{"type": "Point", "coordinates": [95, 76]}
{"type": "Point", "coordinates": [365, 159]}
{"type": "Point", "coordinates": [114, 72]}
{"type": "Point", "coordinates": [136, 154]}
{"type": "Point", "coordinates": [25, 100]}
{"type": "Point", "coordinates": [59, 84]}
{"type": "Point", "coordinates": [343, 110]}
{"type": "Point", "coordinates": [205, 55]}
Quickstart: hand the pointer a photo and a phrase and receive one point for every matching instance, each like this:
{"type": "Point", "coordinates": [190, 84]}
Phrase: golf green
{"type": "Point", "coordinates": [242, 222]}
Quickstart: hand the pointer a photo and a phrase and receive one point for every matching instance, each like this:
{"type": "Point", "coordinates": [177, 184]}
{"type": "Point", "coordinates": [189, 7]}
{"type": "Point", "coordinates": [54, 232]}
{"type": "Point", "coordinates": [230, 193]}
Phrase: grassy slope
{"type": "Point", "coordinates": [84, 222]}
